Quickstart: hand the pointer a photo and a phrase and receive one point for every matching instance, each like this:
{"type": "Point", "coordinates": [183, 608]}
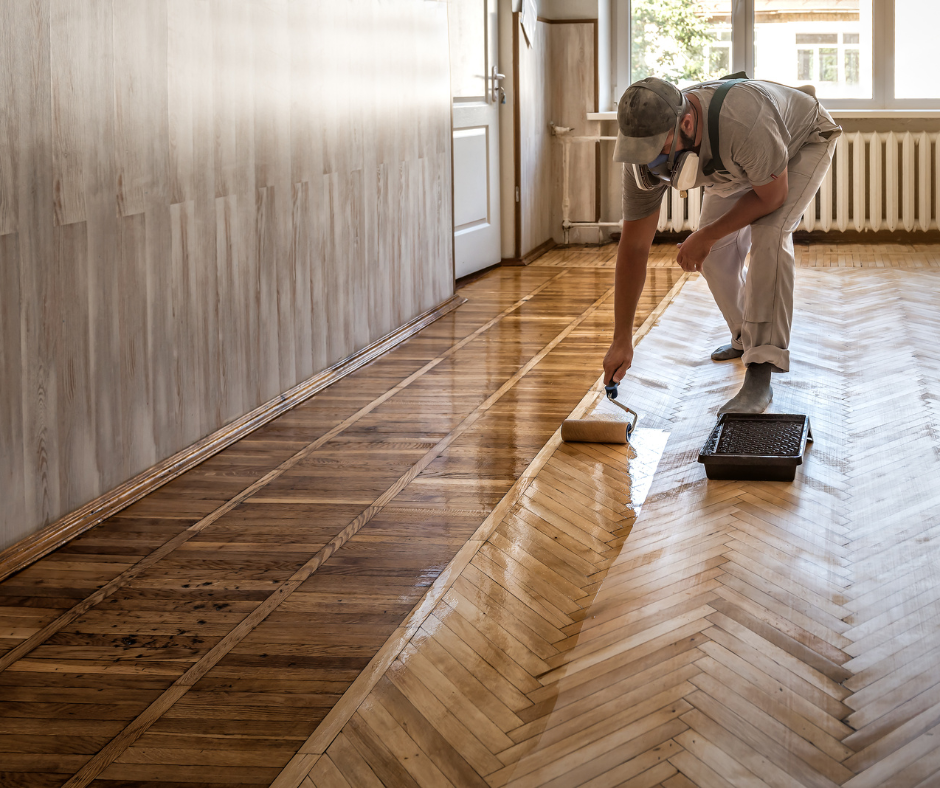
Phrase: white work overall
{"type": "Point", "coordinates": [757, 303]}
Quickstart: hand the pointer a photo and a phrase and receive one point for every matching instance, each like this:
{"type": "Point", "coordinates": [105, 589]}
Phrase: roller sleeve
{"type": "Point", "coordinates": [593, 431]}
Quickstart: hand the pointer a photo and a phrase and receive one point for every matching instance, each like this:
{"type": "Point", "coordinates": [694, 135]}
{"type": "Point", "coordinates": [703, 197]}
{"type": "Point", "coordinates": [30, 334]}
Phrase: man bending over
{"type": "Point", "coordinates": [775, 144]}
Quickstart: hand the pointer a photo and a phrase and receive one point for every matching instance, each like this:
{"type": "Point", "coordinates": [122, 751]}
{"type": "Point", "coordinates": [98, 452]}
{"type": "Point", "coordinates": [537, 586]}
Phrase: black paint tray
{"type": "Point", "coordinates": [756, 446]}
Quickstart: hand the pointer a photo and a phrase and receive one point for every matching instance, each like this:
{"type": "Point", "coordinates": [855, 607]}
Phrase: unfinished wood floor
{"type": "Point", "coordinates": [734, 633]}
{"type": "Point", "coordinates": [202, 635]}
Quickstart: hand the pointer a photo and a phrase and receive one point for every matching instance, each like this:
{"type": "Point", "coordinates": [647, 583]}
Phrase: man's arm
{"type": "Point", "coordinates": [632, 256]}
{"type": "Point", "coordinates": [759, 202]}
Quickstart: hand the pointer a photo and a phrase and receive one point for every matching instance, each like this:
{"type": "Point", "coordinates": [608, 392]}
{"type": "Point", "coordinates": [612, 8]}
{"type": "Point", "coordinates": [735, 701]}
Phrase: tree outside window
{"type": "Point", "coordinates": [683, 41]}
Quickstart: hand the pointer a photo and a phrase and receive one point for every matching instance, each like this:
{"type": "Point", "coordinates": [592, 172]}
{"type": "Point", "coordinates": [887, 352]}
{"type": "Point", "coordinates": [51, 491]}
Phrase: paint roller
{"type": "Point", "coordinates": [599, 429]}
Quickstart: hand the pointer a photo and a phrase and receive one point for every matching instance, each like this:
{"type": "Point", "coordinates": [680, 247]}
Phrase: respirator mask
{"type": "Point", "coordinates": [677, 168]}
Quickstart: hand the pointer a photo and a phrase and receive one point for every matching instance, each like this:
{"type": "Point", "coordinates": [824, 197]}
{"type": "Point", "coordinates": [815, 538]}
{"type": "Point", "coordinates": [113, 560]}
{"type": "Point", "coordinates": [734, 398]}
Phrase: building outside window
{"type": "Point", "coordinates": [837, 56]}
{"type": "Point", "coordinates": [816, 42]}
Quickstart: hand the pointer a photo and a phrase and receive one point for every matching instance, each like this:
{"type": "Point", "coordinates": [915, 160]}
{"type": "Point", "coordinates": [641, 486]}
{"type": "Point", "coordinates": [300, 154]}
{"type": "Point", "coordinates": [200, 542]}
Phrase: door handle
{"type": "Point", "coordinates": [495, 77]}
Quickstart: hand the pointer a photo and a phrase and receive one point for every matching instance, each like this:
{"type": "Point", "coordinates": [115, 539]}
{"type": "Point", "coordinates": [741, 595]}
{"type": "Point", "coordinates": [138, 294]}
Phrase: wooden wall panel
{"type": "Point", "coordinates": [535, 149]}
{"type": "Point", "coordinates": [12, 474]}
{"type": "Point", "coordinates": [8, 126]}
{"type": "Point", "coordinates": [202, 203]}
{"type": "Point", "coordinates": [557, 83]}
{"type": "Point", "coordinates": [573, 79]}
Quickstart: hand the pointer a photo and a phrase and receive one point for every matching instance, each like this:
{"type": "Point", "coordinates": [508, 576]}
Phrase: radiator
{"type": "Point", "coordinates": [876, 182]}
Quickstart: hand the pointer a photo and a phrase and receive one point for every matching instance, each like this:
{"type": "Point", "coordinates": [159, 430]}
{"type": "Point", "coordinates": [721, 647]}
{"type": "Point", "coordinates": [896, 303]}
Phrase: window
{"type": "Point", "coordinates": [719, 53]}
{"type": "Point", "coordinates": [684, 41]}
{"type": "Point", "coordinates": [818, 45]}
{"type": "Point", "coordinates": [851, 67]}
{"type": "Point", "coordinates": [865, 54]}
{"type": "Point", "coordinates": [915, 33]}
{"type": "Point", "coordinates": [828, 65]}
{"type": "Point", "coordinates": [804, 65]}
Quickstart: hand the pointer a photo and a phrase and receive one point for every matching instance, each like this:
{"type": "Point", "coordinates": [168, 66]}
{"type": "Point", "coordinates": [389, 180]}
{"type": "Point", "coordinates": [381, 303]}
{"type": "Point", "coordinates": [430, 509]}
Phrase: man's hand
{"type": "Point", "coordinates": [618, 360]}
{"type": "Point", "coordinates": [694, 249]}
{"type": "Point", "coordinates": [760, 201]}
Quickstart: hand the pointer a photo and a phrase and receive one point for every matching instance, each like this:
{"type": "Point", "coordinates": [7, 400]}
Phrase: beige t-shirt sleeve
{"type": "Point", "coordinates": [761, 151]}
{"type": "Point", "coordinates": [637, 203]}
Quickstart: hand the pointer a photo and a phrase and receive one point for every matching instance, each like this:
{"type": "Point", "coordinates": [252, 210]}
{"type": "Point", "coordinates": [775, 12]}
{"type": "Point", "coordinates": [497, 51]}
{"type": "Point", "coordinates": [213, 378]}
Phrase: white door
{"type": "Point", "coordinates": [476, 133]}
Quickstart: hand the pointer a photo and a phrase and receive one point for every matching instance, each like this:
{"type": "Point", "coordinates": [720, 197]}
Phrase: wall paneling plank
{"type": "Point", "coordinates": [557, 84]}
{"type": "Point", "coordinates": [33, 154]}
{"type": "Point", "coordinates": [572, 69]}
{"type": "Point", "coordinates": [202, 204]}
{"type": "Point", "coordinates": [8, 59]}
{"type": "Point", "coordinates": [535, 115]}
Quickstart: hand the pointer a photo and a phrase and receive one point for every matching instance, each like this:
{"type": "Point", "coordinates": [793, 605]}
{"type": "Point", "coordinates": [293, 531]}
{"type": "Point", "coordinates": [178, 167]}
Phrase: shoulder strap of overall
{"type": "Point", "coordinates": [714, 110]}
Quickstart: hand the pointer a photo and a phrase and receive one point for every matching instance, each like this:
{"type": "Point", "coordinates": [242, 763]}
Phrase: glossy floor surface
{"type": "Point", "coordinates": [731, 634]}
{"type": "Point", "coordinates": [409, 580]}
{"type": "Point", "coordinates": [201, 636]}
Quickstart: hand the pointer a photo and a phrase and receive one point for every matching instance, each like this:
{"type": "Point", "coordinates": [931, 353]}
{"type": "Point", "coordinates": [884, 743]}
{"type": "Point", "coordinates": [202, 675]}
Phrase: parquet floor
{"type": "Point", "coordinates": [408, 580]}
{"type": "Point", "coordinates": [907, 256]}
{"type": "Point", "coordinates": [727, 633]}
{"type": "Point", "coordinates": [203, 634]}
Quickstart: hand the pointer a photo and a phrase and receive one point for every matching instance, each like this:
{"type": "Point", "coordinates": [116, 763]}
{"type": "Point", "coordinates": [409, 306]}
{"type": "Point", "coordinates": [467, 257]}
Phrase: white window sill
{"type": "Point", "coordinates": [885, 113]}
{"type": "Point", "coordinates": [836, 113]}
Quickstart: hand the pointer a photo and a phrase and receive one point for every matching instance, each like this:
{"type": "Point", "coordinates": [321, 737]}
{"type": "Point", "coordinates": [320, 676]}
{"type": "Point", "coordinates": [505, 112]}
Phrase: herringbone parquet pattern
{"type": "Point", "coordinates": [733, 633]}
{"type": "Point", "coordinates": [837, 255]}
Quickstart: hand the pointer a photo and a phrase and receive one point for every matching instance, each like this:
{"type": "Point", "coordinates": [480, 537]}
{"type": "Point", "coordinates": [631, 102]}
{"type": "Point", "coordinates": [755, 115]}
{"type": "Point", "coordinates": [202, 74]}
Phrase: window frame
{"type": "Point", "coordinates": [742, 57]}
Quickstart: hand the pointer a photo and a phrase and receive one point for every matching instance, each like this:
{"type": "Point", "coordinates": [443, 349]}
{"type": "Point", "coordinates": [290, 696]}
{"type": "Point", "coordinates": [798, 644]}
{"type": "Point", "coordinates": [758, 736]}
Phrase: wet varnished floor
{"type": "Point", "coordinates": [409, 581]}
{"type": "Point", "coordinates": [200, 636]}
{"type": "Point", "coordinates": [730, 633]}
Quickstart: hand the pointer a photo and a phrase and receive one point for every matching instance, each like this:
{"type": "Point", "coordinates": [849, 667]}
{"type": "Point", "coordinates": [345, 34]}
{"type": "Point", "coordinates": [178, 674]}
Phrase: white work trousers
{"type": "Point", "coordinates": [757, 302]}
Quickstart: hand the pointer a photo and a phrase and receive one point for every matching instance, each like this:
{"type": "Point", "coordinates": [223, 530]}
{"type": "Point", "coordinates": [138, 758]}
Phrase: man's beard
{"type": "Point", "coordinates": [687, 142]}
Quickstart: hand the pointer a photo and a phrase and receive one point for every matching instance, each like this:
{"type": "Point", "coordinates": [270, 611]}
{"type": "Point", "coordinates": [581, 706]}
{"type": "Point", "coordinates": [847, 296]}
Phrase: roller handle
{"type": "Point", "coordinates": [611, 389]}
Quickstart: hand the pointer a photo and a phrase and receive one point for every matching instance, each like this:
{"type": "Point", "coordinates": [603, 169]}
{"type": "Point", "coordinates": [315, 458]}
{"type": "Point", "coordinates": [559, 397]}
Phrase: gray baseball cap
{"type": "Point", "coordinates": [647, 112]}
